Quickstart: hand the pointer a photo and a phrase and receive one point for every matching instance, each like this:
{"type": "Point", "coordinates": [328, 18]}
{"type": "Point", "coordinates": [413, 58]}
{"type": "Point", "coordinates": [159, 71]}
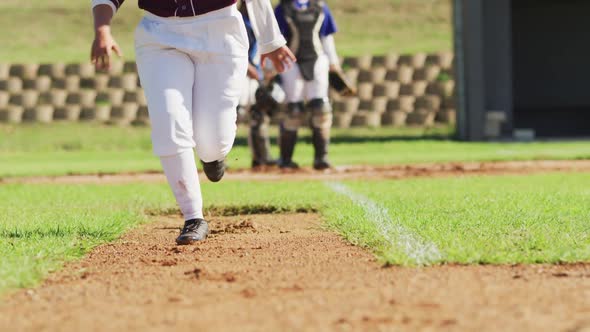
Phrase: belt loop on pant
{"type": "Point", "coordinates": [188, 8]}
{"type": "Point", "coordinates": [185, 8]}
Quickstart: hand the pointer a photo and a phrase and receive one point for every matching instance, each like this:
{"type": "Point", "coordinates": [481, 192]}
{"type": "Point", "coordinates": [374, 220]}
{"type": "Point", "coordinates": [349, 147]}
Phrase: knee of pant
{"type": "Point", "coordinates": [255, 125]}
{"type": "Point", "coordinates": [321, 113]}
{"type": "Point", "coordinates": [256, 117]}
{"type": "Point", "coordinates": [168, 145]}
{"type": "Point", "coordinates": [289, 124]}
{"type": "Point", "coordinates": [318, 106]}
{"type": "Point", "coordinates": [321, 120]}
{"type": "Point", "coordinates": [295, 116]}
{"type": "Point", "coordinates": [259, 126]}
{"type": "Point", "coordinates": [295, 108]}
{"type": "Point", "coordinates": [293, 122]}
{"type": "Point", "coordinates": [214, 152]}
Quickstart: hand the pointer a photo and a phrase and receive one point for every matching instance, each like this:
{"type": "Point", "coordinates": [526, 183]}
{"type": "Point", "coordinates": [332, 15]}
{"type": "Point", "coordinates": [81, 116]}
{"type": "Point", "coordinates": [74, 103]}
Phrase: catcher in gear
{"type": "Point", "coordinates": [308, 26]}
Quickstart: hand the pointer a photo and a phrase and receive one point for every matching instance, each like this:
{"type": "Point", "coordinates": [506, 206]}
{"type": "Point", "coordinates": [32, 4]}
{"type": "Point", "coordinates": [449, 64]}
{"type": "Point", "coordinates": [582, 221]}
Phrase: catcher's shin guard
{"type": "Point", "coordinates": [288, 134]}
{"type": "Point", "coordinates": [320, 144]}
{"type": "Point", "coordinates": [287, 141]}
{"type": "Point", "coordinates": [259, 140]}
{"type": "Point", "coordinates": [321, 123]}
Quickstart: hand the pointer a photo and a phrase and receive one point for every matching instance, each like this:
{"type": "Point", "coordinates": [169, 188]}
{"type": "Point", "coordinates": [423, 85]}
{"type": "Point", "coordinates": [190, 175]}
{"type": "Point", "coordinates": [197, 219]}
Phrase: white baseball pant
{"type": "Point", "coordinates": [248, 95]}
{"type": "Point", "coordinates": [192, 71]}
{"type": "Point", "coordinates": [298, 89]}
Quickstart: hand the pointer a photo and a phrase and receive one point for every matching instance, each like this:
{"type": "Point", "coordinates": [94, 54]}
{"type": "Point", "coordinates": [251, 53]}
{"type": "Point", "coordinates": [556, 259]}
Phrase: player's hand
{"type": "Point", "coordinates": [253, 72]}
{"type": "Point", "coordinates": [335, 68]}
{"type": "Point", "coordinates": [102, 48]}
{"type": "Point", "coordinates": [281, 58]}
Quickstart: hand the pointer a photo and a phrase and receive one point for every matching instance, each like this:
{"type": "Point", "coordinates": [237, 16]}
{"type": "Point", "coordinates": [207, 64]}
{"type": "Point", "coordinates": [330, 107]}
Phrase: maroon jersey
{"type": "Point", "coordinates": [180, 8]}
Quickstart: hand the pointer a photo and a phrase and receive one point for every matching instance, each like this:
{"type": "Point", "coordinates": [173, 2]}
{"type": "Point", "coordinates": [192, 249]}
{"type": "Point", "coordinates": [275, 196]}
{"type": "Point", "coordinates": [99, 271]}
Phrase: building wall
{"type": "Point", "coordinates": [552, 66]}
{"type": "Point", "coordinates": [522, 64]}
{"type": "Point", "coordinates": [551, 53]}
{"type": "Point", "coordinates": [497, 53]}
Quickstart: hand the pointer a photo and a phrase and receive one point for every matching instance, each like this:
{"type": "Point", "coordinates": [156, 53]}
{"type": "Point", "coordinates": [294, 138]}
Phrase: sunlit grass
{"type": "Point", "coordinates": [77, 148]}
{"type": "Point", "coordinates": [62, 30]}
{"type": "Point", "coordinates": [473, 220]}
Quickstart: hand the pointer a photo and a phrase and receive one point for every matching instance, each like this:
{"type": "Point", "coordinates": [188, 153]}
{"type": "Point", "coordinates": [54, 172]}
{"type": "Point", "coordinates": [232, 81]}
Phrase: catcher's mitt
{"type": "Point", "coordinates": [339, 83]}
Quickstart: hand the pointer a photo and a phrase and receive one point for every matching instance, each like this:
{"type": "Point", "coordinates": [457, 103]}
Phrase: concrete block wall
{"type": "Point", "coordinates": [71, 92]}
{"type": "Point", "coordinates": [398, 90]}
{"type": "Point", "coordinates": [393, 90]}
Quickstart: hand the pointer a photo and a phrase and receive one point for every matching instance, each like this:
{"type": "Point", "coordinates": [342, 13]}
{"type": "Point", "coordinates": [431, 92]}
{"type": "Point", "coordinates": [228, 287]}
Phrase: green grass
{"type": "Point", "coordinates": [63, 148]}
{"type": "Point", "coordinates": [478, 220]}
{"type": "Point", "coordinates": [472, 220]}
{"type": "Point", "coordinates": [43, 226]}
{"type": "Point", "coordinates": [507, 219]}
{"type": "Point", "coordinates": [61, 30]}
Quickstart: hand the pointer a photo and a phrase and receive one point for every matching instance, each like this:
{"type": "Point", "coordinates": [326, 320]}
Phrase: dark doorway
{"type": "Point", "coordinates": [551, 66]}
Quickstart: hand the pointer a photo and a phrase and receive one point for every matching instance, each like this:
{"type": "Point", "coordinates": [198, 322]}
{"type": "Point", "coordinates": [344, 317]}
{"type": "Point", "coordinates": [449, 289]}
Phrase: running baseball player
{"type": "Point", "coordinates": [308, 26]}
{"type": "Point", "coordinates": [192, 58]}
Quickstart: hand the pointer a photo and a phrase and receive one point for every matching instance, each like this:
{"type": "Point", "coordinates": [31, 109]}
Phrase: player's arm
{"type": "Point", "coordinates": [327, 31]}
{"type": "Point", "coordinates": [269, 36]}
{"type": "Point", "coordinates": [104, 44]}
{"type": "Point", "coordinates": [253, 72]}
{"type": "Point", "coordinates": [329, 46]}
{"type": "Point", "coordinates": [337, 79]}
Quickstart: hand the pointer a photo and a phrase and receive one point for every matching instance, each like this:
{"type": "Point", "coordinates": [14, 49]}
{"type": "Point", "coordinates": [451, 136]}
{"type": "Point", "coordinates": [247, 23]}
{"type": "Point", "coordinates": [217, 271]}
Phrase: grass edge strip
{"type": "Point", "coordinates": [420, 251]}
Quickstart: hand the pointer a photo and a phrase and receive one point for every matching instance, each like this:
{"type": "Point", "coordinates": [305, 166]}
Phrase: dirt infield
{"type": "Point", "coordinates": [340, 173]}
{"type": "Point", "coordinates": [287, 273]}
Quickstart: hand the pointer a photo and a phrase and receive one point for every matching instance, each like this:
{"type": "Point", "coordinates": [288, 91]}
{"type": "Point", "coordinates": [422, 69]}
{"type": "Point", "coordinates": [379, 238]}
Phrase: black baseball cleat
{"type": "Point", "coordinates": [320, 165]}
{"type": "Point", "coordinates": [288, 165]}
{"type": "Point", "coordinates": [214, 170]}
{"type": "Point", "coordinates": [271, 162]}
{"type": "Point", "coordinates": [194, 230]}
{"type": "Point", "coordinates": [267, 163]}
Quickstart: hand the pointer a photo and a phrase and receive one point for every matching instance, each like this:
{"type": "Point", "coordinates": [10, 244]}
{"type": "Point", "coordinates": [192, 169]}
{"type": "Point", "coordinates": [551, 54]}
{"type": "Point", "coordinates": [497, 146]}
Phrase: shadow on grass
{"type": "Point", "coordinates": [238, 210]}
{"type": "Point", "coordinates": [361, 139]}
{"type": "Point", "coordinates": [57, 232]}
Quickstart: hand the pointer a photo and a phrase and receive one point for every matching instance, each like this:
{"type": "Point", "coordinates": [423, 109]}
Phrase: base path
{"type": "Point", "coordinates": [287, 273]}
{"type": "Point", "coordinates": [339, 173]}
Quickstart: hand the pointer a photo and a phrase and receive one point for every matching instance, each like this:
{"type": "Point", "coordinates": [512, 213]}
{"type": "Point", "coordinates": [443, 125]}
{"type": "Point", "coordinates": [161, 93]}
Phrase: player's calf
{"type": "Point", "coordinates": [321, 123]}
{"type": "Point", "coordinates": [288, 134]}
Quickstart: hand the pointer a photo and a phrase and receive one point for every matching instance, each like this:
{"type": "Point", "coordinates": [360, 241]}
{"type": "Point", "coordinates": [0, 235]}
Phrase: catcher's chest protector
{"type": "Point", "coordinates": [304, 34]}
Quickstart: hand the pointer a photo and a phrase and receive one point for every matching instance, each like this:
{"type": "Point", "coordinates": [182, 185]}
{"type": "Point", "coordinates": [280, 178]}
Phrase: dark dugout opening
{"type": "Point", "coordinates": [551, 66]}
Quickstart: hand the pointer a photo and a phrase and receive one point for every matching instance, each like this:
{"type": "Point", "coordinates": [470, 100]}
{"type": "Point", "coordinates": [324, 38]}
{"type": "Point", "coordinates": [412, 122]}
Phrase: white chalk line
{"type": "Point", "coordinates": [419, 250]}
